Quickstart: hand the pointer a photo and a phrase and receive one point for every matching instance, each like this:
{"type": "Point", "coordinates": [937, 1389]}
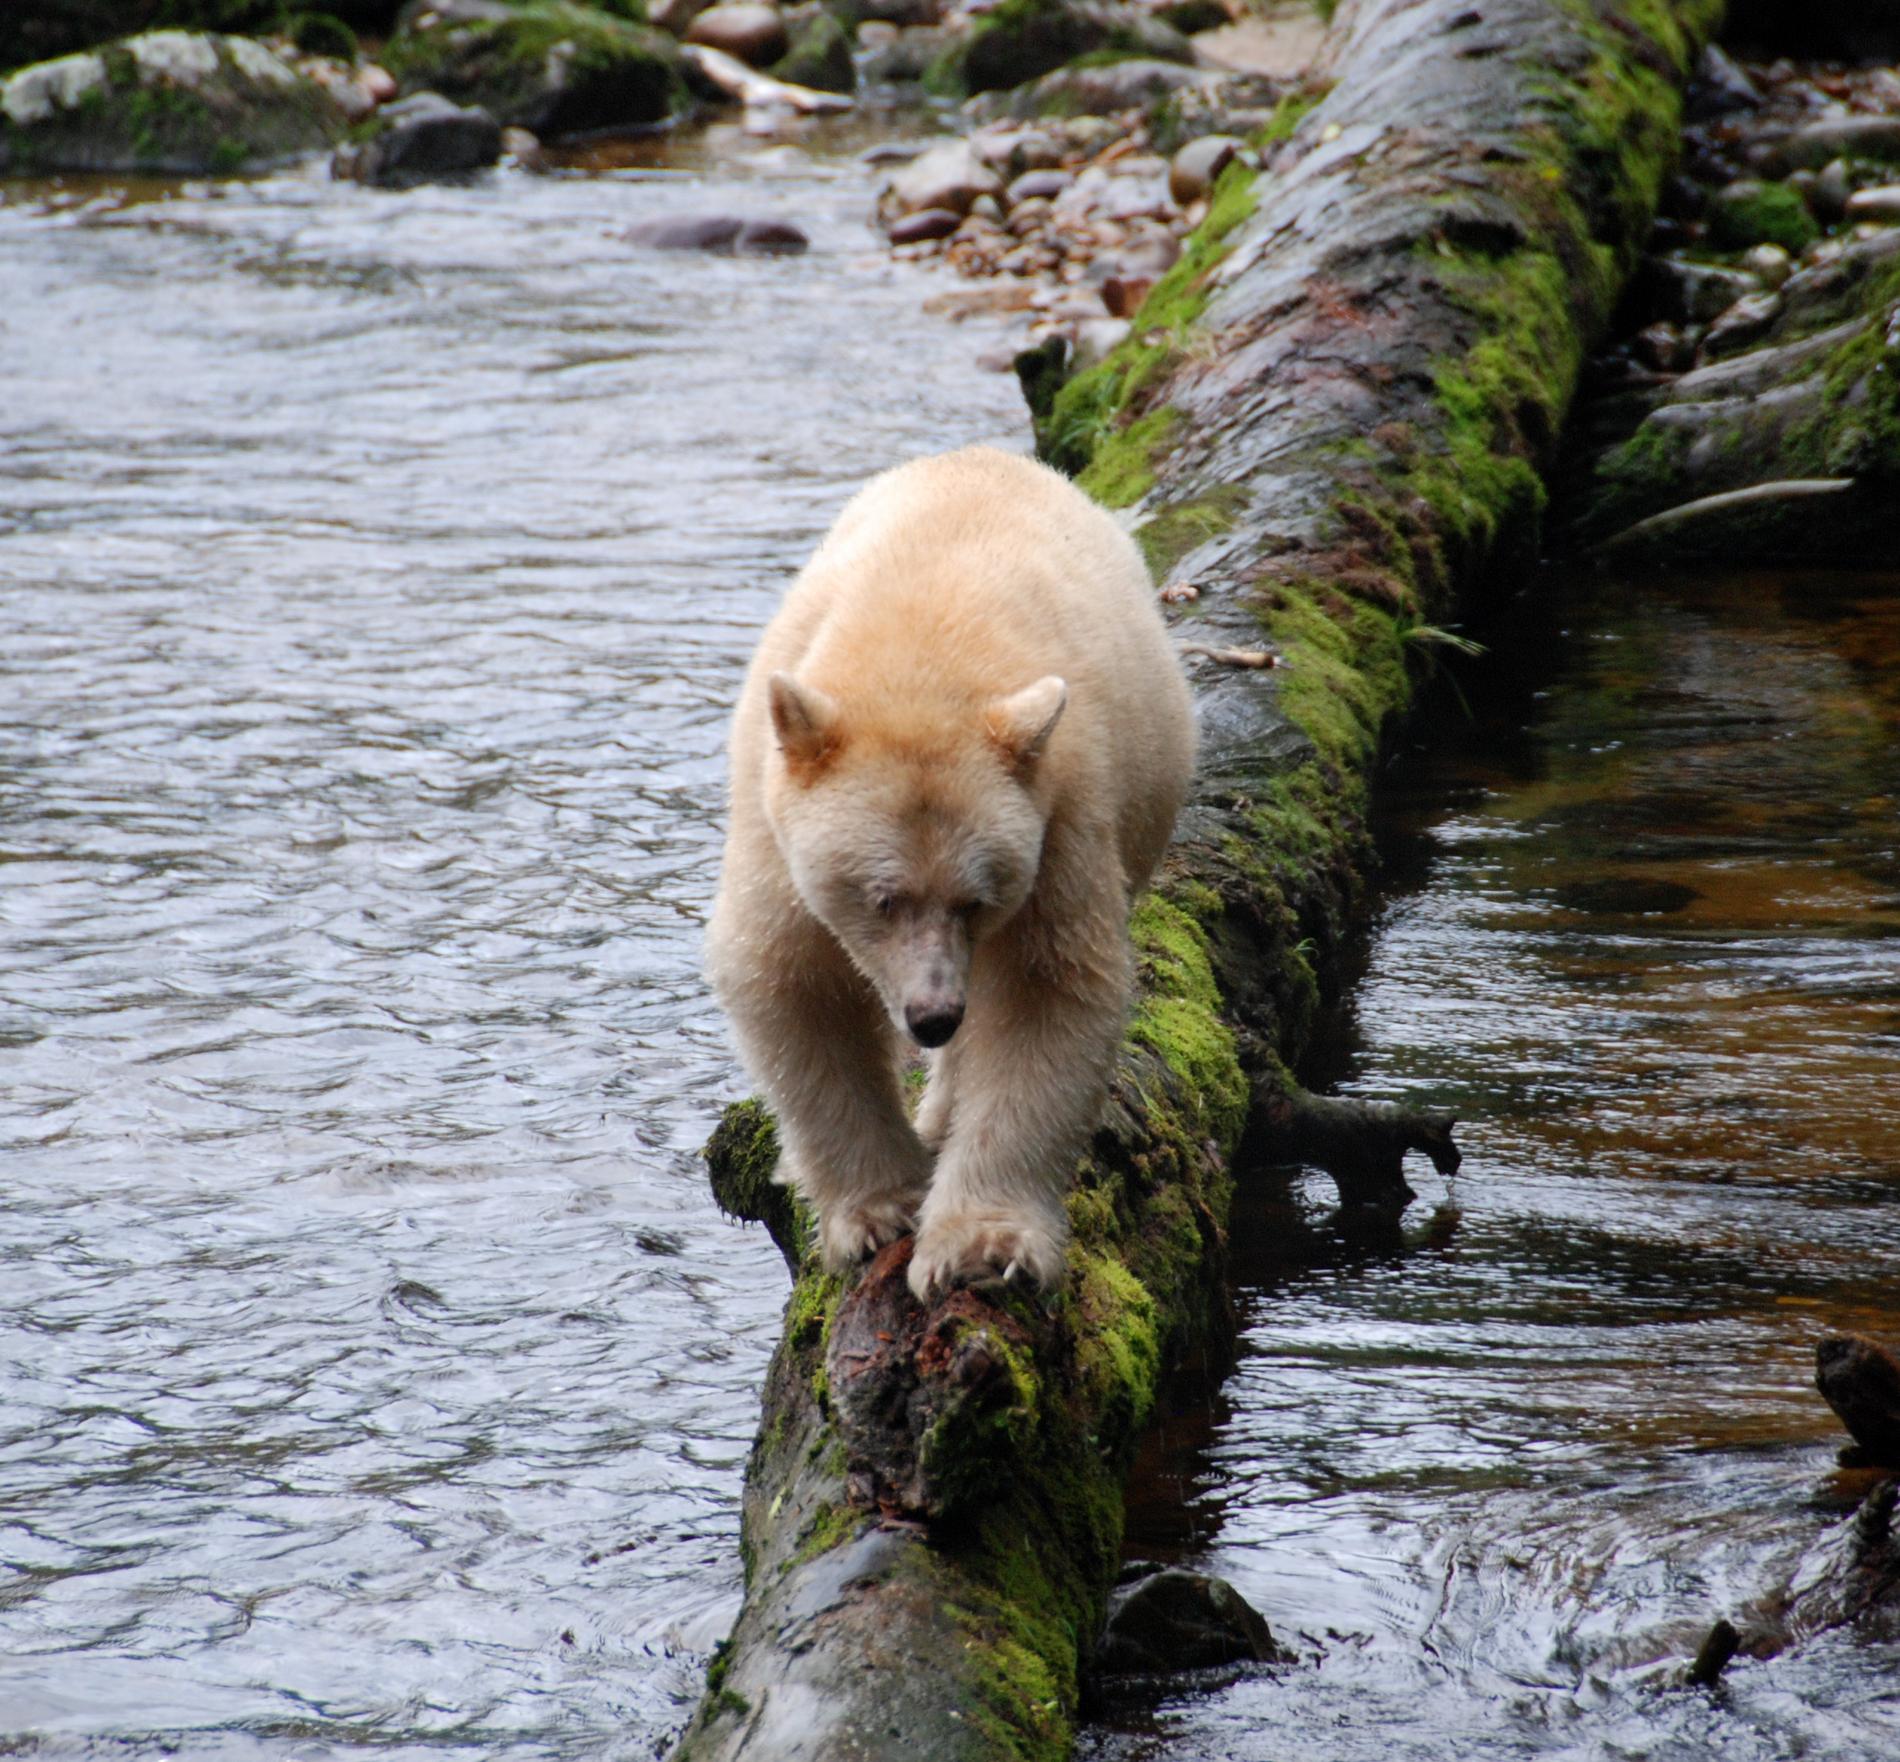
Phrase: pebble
{"type": "Point", "coordinates": [1769, 264]}
{"type": "Point", "coordinates": [924, 223]}
{"type": "Point", "coordinates": [1040, 183]}
{"type": "Point", "coordinates": [1123, 294]}
{"type": "Point", "coordinates": [1881, 204]}
{"type": "Point", "coordinates": [988, 208]}
{"type": "Point", "coordinates": [1833, 184]}
{"type": "Point", "coordinates": [1745, 322]}
{"type": "Point", "coordinates": [949, 176]}
{"type": "Point", "coordinates": [1194, 169]}
{"type": "Point", "coordinates": [753, 32]}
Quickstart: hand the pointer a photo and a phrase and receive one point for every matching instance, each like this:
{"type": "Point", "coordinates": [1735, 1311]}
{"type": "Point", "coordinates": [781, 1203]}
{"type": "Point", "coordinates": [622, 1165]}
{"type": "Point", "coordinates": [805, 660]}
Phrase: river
{"type": "Point", "coordinates": [375, 1372]}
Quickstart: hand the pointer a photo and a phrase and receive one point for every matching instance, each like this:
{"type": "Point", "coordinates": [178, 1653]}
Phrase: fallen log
{"type": "Point", "coordinates": [1333, 414]}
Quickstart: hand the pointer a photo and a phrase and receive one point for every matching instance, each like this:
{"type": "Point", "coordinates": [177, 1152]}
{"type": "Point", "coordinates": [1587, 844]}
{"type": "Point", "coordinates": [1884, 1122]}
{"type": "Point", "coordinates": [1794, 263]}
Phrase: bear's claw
{"type": "Point", "coordinates": [858, 1231]}
{"type": "Point", "coordinates": [975, 1249]}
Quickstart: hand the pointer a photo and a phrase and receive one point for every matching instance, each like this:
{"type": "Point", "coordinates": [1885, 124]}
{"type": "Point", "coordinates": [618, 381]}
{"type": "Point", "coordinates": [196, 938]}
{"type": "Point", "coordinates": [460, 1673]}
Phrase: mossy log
{"type": "Point", "coordinates": [1334, 416]}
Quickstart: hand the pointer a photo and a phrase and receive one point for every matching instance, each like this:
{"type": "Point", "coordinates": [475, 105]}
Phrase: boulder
{"type": "Point", "coordinates": [820, 55]}
{"type": "Point", "coordinates": [753, 32]}
{"type": "Point", "coordinates": [1021, 40]}
{"type": "Point", "coordinates": [1687, 292]}
{"type": "Point", "coordinates": [545, 65]}
{"type": "Point", "coordinates": [419, 140]}
{"type": "Point", "coordinates": [169, 101]}
{"type": "Point", "coordinates": [1860, 1379]}
{"type": "Point", "coordinates": [1174, 1619]}
{"type": "Point", "coordinates": [1099, 89]}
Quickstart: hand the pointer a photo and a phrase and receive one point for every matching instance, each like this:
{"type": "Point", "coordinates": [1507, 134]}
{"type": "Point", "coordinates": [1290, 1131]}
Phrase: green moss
{"type": "Point", "coordinates": [1750, 213]}
{"type": "Point", "coordinates": [1172, 532]}
{"type": "Point", "coordinates": [323, 33]}
{"type": "Point", "coordinates": [828, 1526]}
{"type": "Point", "coordinates": [616, 73]}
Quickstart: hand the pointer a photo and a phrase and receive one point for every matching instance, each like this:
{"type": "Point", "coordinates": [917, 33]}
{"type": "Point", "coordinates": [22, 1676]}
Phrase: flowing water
{"type": "Point", "coordinates": [376, 573]}
{"type": "Point", "coordinates": [1495, 1473]}
{"type": "Point", "coordinates": [375, 1373]}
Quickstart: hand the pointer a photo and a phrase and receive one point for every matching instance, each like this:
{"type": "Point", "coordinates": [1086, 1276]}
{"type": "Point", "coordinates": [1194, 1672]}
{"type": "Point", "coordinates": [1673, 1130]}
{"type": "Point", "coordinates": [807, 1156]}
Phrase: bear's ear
{"type": "Point", "coordinates": [1022, 722]}
{"type": "Point", "coordinates": [806, 723]}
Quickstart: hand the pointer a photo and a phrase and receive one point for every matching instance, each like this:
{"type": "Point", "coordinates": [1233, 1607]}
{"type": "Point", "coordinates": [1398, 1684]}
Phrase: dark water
{"type": "Point", "coordinates": [1498, 1472]}
{"type": "Point", "coordinates": [375, 575]}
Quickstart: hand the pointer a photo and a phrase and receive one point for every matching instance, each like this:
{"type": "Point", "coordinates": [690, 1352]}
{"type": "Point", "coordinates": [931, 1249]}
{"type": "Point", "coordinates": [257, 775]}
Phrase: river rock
{"type": "Point", "coordinates": [949, 176]}
{"type": "Point", "coordinates": [1034, 185]}
{"type": "Point", "coordinates": [167, 101]}
{"type": "Point", "coordinates": [1860, 1379]}
{"type": "Point", "coordinates": [896, 12]}
{"type": "Point", "coordinates": [545, 65]}
{"type": "Point", "coordinates": [1769, 264]}
{"type": "Point", "coordinates": [1687, 292]}
{"type": "Point", "coordinates": [820, 53]}
{"type": "Point", "coordinates": [726, 234]}
{"type": "Point", "coordinates": [1744, 323]}
{"type": "Point", "coordinates": [924, 223]}
{"type": "Point", "coordinates": [675, 17]}
{"type": "Point", "coordinates": [1194, 169]}
{"type": "Point", "coordinates": [1100, 90]}
{"type": "Point", "coordinates": [1020, 42]}
{"type": "Point", "coordinates": [754, 33]}
{"type": "Point", "coordinates": [1882, 204]}
{"type": "Point", "coordinates": [420, 140]}
{"type": "Point", "coordinates": [1838, 137]}
{"type": "Point", "coordinates": [1748, 212]}
{"type": "Point", "coordinates": [1179, 1620]}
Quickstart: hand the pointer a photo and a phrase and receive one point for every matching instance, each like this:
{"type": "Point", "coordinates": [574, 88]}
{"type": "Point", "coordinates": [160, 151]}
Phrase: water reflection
{"type": "Point", "coordinates": [1498, 1470]}
{"type": "Point", "coordinates": [376, 572]}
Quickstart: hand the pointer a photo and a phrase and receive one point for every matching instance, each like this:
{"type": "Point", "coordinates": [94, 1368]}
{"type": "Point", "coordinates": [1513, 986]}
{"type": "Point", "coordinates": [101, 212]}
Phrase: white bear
{"type": "Point", "coordinates": [956, 760]}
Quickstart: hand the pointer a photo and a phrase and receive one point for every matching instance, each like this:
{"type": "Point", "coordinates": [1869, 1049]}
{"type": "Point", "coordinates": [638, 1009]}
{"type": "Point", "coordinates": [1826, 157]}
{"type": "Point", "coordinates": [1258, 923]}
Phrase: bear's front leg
{"type": "Point", "coordinates": [1033, 1063]}
{"type": "Point", "coordinates": [832, 1068]}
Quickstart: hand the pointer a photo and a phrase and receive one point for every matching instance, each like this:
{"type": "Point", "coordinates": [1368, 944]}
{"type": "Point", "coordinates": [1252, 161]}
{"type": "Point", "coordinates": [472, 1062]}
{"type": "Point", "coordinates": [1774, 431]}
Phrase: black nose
{"type": "Point", "coordinates": [933, 1027]}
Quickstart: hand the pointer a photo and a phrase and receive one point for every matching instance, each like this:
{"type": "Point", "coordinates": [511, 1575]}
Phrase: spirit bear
{"type": "Point", "coordinates": [956, 760]}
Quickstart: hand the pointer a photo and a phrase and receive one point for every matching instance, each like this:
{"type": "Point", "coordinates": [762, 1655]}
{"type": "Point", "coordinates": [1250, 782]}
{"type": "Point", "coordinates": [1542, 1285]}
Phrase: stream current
{"type": "Point", "coordinates": [376, 1375]}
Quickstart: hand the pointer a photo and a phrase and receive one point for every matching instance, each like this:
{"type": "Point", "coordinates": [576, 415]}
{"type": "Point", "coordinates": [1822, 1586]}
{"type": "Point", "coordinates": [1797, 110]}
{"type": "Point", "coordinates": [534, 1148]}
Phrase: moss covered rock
{"type": "Point", "coordinates": [553, 67]}
{"type": "Point", "coordinates": [1749, 213]}
{"type": "Point", "coordinates": [167, 101]}
{"type": "Point", "coordinates": [819, 56]}
{"type": "Point", "coordinates": [1024, 39]}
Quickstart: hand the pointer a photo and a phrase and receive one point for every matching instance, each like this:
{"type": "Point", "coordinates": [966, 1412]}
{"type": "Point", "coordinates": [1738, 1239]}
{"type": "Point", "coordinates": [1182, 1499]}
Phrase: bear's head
{"type": "Point", "coordinates": [911, 831]}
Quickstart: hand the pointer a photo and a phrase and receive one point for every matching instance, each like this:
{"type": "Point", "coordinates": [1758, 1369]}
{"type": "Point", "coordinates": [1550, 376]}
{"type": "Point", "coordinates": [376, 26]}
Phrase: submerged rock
{"type": "Point", "coordinates": [728, 234]}
{"type": "Point", "coordinates": [545, 65]}
{"type": "Point", "coordinates": [168, 101]}
{"type": "Point", "coordinates": [1179, 1620]}
{"type": "Point", "coordinates": [421, 139]}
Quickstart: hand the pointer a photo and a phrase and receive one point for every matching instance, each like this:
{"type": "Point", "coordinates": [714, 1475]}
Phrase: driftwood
{"type": "Point", "coordinates": [1333, 415]}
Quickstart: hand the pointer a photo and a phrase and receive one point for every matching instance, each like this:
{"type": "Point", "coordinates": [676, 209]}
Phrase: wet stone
{"type": "Point", "coordinates": [925, 223]}
{"type": "Point", "coordinates": [1686, 292]}
{"type": "Point", "coordinates": [420, 140]}
{"type": "Point", "coordinates": [1860, 1379]}
{"type": "Point", "coordinates": [950, 176]}
{"type": "Point", "coordinates": [1194, 170]}
{"type": "Point", "coordinates": [1034, 185]}
{"type": "Point", "coordinates": [755, 34]}
{"type": "Point", "coordinates": [1743, 324]}
{"type": "Point", "coordinates": [1175, 1620]}
{"type": "Point", "coordinates": [727, 234]}
{"type": "Point", "coordinates": [1881, 204]}
{"type": "Point", "coordinates": [1851, 137]}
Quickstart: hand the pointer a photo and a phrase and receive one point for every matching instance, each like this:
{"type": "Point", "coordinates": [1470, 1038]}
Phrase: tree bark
{"type": "Point", "coordinates": [1333, 414]}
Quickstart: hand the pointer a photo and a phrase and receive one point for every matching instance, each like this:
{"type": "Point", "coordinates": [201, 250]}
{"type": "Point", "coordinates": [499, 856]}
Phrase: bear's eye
{"type": "Point", "coordinates": [885, 905]}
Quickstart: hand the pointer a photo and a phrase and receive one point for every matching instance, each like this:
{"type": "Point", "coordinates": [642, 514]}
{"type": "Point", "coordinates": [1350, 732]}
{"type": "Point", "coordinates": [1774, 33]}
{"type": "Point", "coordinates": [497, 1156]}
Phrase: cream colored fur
{"type": "Point", "coordinates": [956, 760]}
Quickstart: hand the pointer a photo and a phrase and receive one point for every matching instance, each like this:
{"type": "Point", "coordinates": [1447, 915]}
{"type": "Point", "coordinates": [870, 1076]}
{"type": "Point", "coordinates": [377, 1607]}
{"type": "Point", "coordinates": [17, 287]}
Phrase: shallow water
{"type": "Point", "coordinates": [1496, 1472]}
{"type": "Point", "coordinates": [376, 573]}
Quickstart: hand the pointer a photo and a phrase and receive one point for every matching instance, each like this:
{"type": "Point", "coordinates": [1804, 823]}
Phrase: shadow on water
{"type": "Point", "coordinates": [1494, 1468]}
